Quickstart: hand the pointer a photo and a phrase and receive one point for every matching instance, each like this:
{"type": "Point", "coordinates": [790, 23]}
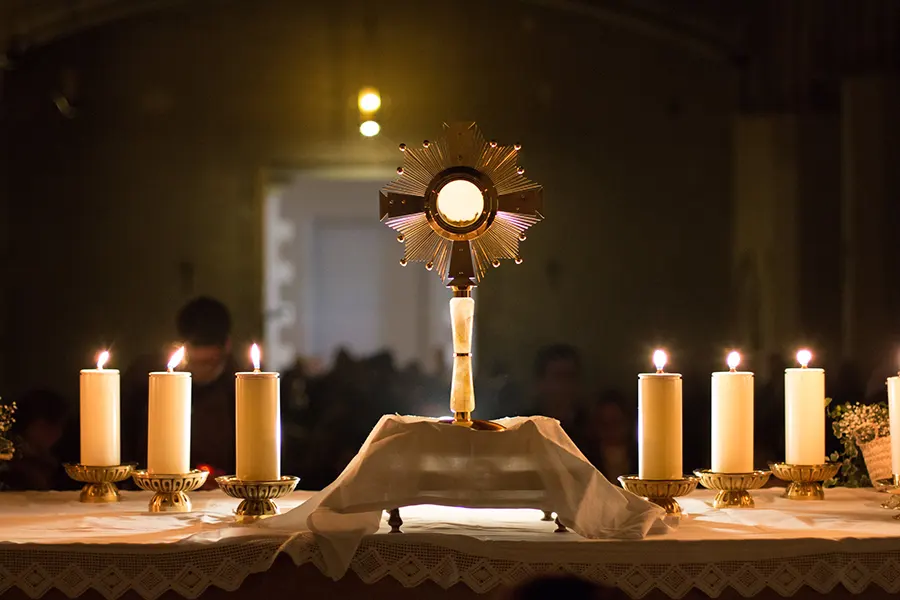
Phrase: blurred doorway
{"type": "Point", "coordinates": [333, 279]}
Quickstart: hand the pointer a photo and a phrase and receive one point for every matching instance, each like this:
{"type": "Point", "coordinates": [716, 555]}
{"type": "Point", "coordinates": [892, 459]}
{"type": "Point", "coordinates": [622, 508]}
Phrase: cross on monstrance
{"type": "Point", "coordinates": [460, 205]}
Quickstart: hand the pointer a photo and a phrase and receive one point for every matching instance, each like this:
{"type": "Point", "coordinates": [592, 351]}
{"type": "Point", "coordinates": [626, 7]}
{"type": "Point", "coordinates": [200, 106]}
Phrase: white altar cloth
{"type": "Point", "coordinates": [410, 461]}
{"type": "Point", "coordinates": [49, 540]}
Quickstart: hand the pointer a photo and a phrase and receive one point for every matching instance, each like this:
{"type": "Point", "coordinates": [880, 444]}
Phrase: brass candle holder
{"type": "Point", "coordinates": [661, 492]}
{"type": "Point", "coordinates": [461, 204]}
{"type": "Point", "coordinates": [256, 496]}
{"type": "Point", "coordinates": [805, 480]}
{"type": "Point", "coordinates": [170, 490]}
{"type": "Point", "coordinates": [99, 482]}
{"type": "Point", "coordinates": [733, 489]}
{"type": "Point", "coordinates": [893, 501]}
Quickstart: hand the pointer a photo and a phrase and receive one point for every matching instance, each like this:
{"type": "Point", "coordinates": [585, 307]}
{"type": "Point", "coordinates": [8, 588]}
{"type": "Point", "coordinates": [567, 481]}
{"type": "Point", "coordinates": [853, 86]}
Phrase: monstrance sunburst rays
{"type": "Point", "coordinates": [449, 227]}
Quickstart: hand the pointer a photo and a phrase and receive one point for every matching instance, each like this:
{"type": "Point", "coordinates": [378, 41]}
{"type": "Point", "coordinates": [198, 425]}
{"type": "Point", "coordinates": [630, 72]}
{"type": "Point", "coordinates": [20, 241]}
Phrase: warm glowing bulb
{"type": "Point", "coordinates": [254, 356]}
{"type": "Point", "coordinates": [102, 358]}
{"type": "Point", "coordinates": [369, 101]}
{"type": "Point", "coordinates": [659, 359]}
{"type": "Point", "coordinates": [803, 357]}
{"type": "Point", "coordinates": [460, 203]}
{"type": "Point", "coordinates": [369, 128]}
{"type": "Point", "coordinates": [176, 359]}
{"type": "Point", "coordinates": [734, 359]}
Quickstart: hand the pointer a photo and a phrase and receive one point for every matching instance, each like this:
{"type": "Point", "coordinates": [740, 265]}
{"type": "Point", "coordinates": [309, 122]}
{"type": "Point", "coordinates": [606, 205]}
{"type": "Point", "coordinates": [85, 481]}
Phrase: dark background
{"type": "Point", "coordinates": [717, 174]}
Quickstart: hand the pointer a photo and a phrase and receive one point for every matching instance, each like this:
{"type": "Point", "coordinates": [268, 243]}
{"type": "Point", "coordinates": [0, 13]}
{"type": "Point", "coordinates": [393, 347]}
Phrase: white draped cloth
{"type": "Point", "coordinates": [51, 541]}
{"type": "Point", "coordinates": [408, 461]}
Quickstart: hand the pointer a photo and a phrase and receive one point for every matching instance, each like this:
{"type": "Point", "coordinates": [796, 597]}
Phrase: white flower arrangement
{"type": "Point", "coordinates": [861, 423]}
{"type": "Point", "coordinates": [855, 424]}
{"type": "Point", "coordinates": [6, 421]}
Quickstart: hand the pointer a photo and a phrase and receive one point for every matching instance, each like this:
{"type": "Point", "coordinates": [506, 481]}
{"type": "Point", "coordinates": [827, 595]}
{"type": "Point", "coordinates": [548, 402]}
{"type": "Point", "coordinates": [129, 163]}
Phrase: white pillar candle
{"type": "Point", "coordinates": [659, 423]}
{"type": "Point", "coordinates": [893, 387]}
{"type": "Point", "coordinates": [804, 413]}
{"type": "Point", "coordinates": [258, 422]}
{"type": "Point", "coordinates": [462, 390]}
{"type": "Point", "coordinates": [732, 419]}
{"type": "Point", "coordinates": [169, 420]}
{"type": "Point", "coordinates": [100, 415]}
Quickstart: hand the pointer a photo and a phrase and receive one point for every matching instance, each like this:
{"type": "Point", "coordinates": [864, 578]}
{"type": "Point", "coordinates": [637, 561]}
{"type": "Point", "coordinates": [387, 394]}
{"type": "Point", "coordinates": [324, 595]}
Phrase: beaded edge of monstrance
{"type": "Point", "coordinates": [514, 203]}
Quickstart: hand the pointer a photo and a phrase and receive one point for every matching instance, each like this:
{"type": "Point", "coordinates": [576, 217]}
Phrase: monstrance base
{"type": "Point", "coordinates": [100, 482]}
{"type": "Point", "coordinates": [256, 496]}
{"type": "Point", "coordinates": [806, 481]}
{"type": "Point", "coordinates": [733, 489]}
{"type": "Point", "coordinates": [464, 419]}
{"type": "Point", "coordinates": [661, 492]}
{"type": "Point", "coordinates": [170, 489]}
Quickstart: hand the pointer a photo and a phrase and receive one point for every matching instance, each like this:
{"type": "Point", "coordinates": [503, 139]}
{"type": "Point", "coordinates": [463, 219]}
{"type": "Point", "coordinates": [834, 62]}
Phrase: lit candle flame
{"type": "Point", "coordinates": [659, 359]}
{"type": "Point", "coordinates": [734, 359]}
{"type": "Point", "coordinates": [176, 359]}
{"type": "Point", "coordinates": [101, 359]}
{"type": "Point", "coordinates": [254, 356]}
{"type": "Point", "coordinates": [803, 357]}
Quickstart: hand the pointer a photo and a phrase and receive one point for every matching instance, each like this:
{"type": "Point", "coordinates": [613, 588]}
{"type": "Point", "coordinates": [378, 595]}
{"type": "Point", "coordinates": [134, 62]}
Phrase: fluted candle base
{"type": "Point", "coordinates": [805, 480]}
{"type": "Point", "coordinates": [170, 490]}
{"type": "Point", "coordinates": [733, 489]}
{"type": "Point", "coordinates": [661, 492]}
{"type": "Point", "coordinates": [256, 496]}
{"type": "Point", "coordinates": [100, 482]}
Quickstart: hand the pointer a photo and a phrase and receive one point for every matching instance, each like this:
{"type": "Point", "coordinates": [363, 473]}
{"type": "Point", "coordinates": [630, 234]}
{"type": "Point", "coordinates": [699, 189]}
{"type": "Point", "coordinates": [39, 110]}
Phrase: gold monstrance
{"type": "Point", "coordinates": [461, 205]}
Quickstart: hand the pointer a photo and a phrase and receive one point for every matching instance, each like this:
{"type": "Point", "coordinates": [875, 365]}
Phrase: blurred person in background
{"type": "Point", "coordinates": [204, 326]}
{"type": "Point", "coordinates": [558, 388]}
{"type": "Point", "coordinates": [609, 439]}
{"type": "Point", "coordinates": [502, 392]}
{"type": "Point", "coordinates": [40, 420]}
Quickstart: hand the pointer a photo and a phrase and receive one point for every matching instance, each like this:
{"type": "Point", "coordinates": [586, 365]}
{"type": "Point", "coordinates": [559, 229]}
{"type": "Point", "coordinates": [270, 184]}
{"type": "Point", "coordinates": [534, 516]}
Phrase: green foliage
{"type": "Point", "coordinates": [855, 424]}
{"type": "Point", "coordinates": [6, 420]}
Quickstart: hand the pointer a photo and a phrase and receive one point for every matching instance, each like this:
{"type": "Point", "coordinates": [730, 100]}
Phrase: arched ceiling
{"type": "Point", "coordinates": [26, 24]}
{"type": "Point", "coordinates": [702, 26]}
{"type": "Point", "coordinates": [789, 54]}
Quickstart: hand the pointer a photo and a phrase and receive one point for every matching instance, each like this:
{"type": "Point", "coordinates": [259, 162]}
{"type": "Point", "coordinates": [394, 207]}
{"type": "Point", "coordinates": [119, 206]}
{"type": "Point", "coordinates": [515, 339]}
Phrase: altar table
{"type": "Point", "coordinates": [54, 547]}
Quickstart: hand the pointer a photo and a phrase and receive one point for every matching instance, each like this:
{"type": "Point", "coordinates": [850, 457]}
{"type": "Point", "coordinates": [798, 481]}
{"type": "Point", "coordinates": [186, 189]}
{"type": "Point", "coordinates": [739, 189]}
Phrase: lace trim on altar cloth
{"type": "Point", "coordinates": [189, 571]}
{"type": "Point", "coordinates": [412, 565]}
{"type": "Point", "coordinates": [114, 570]}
